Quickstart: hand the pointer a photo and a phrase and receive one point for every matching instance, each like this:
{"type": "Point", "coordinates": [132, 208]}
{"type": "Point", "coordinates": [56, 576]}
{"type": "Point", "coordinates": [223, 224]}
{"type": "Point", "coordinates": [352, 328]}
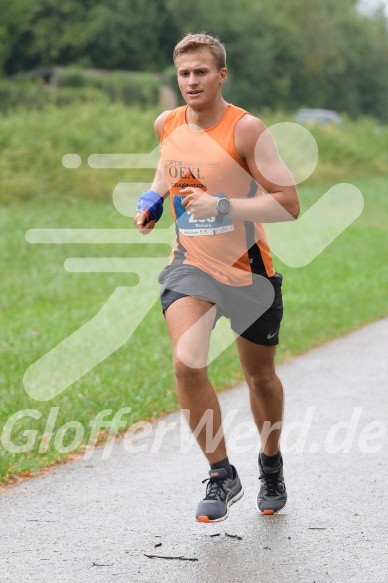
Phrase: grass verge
{"type": "Point", "coordinates": [41, 304]}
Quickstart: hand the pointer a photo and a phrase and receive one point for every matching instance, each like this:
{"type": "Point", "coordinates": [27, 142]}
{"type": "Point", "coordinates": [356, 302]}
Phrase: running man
{"type": "Point", "coordinates": [218, 164]}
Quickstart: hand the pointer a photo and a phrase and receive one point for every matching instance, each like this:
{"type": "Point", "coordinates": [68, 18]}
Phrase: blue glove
{"type": "Point", "coordinates": [152, 202]}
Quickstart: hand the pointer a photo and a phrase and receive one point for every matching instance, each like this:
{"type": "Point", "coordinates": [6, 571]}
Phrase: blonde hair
{"type": "Point", "coordinates": [202, 41]}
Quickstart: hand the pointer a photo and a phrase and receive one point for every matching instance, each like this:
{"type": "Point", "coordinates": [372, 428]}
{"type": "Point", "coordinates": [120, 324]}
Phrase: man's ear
{"type": "Point", "coordinates": [223, 74]}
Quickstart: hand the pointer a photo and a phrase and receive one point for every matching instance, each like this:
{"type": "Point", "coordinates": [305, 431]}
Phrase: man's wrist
{"type": "Point", "coordinates": [151, 204]}
{"type": "Point", "coordinates": [223, 207]}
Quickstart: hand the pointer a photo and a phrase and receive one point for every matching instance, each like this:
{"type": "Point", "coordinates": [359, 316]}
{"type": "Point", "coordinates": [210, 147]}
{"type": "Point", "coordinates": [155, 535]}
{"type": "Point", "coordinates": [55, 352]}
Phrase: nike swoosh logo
{"type": "Point", "coordinates": [271, 335]}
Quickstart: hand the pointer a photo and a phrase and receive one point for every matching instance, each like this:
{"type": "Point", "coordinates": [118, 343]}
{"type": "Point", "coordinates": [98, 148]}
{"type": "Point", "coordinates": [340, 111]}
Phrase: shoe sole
{"type": "Point", "coordinates": [269, 512]}
{"type": "Point", "coordinates": [206, 520]}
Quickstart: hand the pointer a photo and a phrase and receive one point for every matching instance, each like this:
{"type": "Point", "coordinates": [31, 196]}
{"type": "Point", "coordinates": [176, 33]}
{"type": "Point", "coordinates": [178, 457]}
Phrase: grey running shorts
{"type": "Point", "coordinates": [255, 311]}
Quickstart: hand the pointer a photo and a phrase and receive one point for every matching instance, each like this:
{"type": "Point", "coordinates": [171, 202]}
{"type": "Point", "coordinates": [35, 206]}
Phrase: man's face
{"type": "Point", "coordinates": [199, 79]}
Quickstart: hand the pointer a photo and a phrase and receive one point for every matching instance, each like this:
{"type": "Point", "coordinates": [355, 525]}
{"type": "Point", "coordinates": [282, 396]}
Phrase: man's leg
{"type": "Point", "coordinates": [190, 345]}
{"type": "Point", "coordinates": [265, 391]}
{"type": "Point", "coordinates": [266, 397]}
{"type": "Point", "coordinates": [189, 322]}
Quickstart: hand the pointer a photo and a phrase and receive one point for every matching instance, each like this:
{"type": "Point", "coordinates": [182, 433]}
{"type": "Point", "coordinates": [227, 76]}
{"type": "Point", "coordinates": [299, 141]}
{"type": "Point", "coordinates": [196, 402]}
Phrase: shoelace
{"type": "Point", "coordinates": [214, 489]}
{"type": "Point", "coordinates": [270, 484]}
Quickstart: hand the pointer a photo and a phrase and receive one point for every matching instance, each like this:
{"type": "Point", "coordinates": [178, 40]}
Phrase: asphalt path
{"type": "Point", "coordinates": [96, 519]}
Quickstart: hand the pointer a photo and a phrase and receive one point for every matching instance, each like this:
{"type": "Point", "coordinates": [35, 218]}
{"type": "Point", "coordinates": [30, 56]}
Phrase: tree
{"type": "Point", "coordinates": [318, 53]}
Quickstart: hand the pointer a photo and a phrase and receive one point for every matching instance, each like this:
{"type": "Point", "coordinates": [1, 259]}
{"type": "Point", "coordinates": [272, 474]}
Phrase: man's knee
{"type": "Point", "coordinates": [191, 354]}
{"type": "Point", "coordinates": [262, 383]}
{"type": "Point", "coordinates": [189, 369]}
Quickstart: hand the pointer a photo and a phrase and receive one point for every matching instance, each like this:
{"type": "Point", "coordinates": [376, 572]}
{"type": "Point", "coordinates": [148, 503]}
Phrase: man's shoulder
{"type": "Point", "coordinates": [249, 128]}
{"type": "Point", "coordinates": [249, 122]}
{"type": "Point", "coordinates": [247, 131]}
{"type": "Point", "coordinates": [160, 120]}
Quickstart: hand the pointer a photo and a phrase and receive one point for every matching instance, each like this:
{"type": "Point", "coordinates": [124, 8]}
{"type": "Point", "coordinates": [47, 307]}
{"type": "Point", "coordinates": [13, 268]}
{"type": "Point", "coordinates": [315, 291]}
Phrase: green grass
{"type": "Point", "coordinates": [343, 288]}
{"type": "Point", "coordinates": [32, 145]}
{"type": "Point", "coordinates": [41, 303]}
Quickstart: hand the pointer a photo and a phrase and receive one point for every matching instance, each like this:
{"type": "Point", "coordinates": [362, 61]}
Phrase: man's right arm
{"type": "Point", "coordinates": [142, 220]}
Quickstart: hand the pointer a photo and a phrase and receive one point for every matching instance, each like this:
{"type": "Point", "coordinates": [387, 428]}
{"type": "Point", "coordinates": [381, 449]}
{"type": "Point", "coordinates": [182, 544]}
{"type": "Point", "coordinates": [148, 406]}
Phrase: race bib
{"type": "Point", "coordinates": [192, 227]}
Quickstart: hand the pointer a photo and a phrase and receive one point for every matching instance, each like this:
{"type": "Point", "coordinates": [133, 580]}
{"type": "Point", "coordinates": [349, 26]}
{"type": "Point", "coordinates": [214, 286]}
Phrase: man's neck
{"type": "Point", "coordinates": [208, 117]}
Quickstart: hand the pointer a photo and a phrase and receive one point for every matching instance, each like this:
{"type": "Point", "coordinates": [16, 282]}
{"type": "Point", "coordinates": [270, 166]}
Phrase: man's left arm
{"type": "Point", "coordinates": [256, 146]}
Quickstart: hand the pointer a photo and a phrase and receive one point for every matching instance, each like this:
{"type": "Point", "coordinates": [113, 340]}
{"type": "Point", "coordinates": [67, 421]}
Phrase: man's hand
{"type": "Point", "coordinates": [200, 204]}
{"type": "Point", "coordinates": [143, 224]}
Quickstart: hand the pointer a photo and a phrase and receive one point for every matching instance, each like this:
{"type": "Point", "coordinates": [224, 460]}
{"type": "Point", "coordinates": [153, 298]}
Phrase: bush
{"type": "Point", "coordinates": [127, 87]}
{"type": "Point", "coordinates": [73, 84]}
{"type": "Point", "coordinates": [34, 95]}
{"type": "Point", "coordinates": [70, 77]}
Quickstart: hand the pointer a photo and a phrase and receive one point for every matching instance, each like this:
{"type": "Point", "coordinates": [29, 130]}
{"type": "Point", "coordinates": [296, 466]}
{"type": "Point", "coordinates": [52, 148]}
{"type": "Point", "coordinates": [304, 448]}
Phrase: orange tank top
{"type": "Point", "coordinates": [230, 250]}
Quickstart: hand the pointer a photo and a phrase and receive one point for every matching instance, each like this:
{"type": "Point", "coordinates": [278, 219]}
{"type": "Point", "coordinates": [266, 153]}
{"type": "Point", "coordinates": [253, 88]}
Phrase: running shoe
{"type": "Point", "coordinates": [221, 492]}
{"type": "Point", "coordinates": [272, 496]}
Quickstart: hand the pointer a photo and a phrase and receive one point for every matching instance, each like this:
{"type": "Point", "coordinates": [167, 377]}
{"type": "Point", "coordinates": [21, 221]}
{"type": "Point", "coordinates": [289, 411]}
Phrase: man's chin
{"type": "Point", "coordinates": [196, 105]}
